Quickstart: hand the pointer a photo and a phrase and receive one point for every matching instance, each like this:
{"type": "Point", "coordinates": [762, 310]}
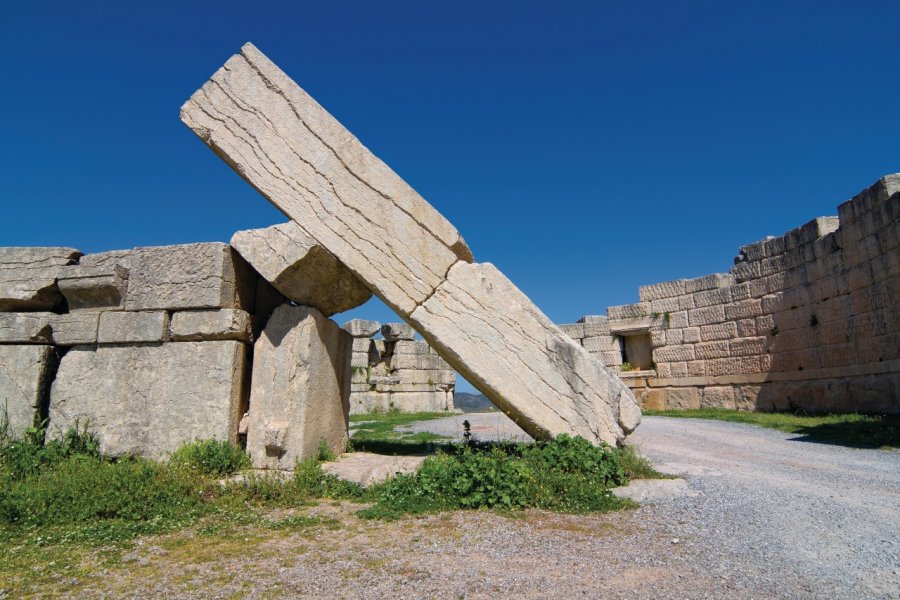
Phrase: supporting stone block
{"type": "Point", "coordinates": [393, 332]}
{"type": "Point", "coordinates": [25, 373]}
{"type": "Point", "coordinates": [205, 325]}
{"type": "Point", "coordinates": [130, 327]}
{"type": "Point", "coordinates": [150, 399]}
{"type": "Point", "coordinates": [88, 287]}
{"type": "Point", "coordinates": [28, 277]}
{"type": "Point", "coordinates": [300, 268]}
{"type": "Point", "coordinates": [300, 388]}
{"type": "Point", "coordinates": [361, 328]}
{"type": "Point", "coordinates": [26, 328]}
{"type": "Point", "coordinates": [76, 328]}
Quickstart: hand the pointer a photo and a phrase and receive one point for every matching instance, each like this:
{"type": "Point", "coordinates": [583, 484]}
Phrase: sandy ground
{"type": "Point", "coordinates": [765, 516]}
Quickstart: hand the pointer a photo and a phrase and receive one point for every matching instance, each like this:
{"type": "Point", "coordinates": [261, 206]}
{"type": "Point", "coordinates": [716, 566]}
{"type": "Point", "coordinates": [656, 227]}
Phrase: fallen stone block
{"type": "Point", "coordinates": [26, 328]}
{"type": "Point", "coordinates": [148, 400]}
{"type": "Point", "coordinates": [130, 327]}
{"type": "Point", "coordinates": [316, 172]}
{"type": "Point", "coordinates": [361, 328]}
{"type": "Point", "coordinates": [25, 374]}
{"type": "Point", "coordinates": [74, 329]}
{"type": "Point", "coordinates": [393, 332]}
{"type": "Point", "coordinates": [300, 268]}
{"type": "Point", "coordinates": [186, 276]}
{"type": "Point", "coordinates": [206, 325]}
{"type": "Point", "coordinates": [88, 287]}
{"type": "Point", "coordinates": [28, 277]}
{"type": "Point", "coordinates": [300, 388]}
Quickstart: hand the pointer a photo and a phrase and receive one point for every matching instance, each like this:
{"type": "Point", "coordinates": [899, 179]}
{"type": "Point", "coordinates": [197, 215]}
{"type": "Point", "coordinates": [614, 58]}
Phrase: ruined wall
{"type": "Point", "coordinates": [808, 320]}
{"type": "Point", "coordinates": [396, 372]}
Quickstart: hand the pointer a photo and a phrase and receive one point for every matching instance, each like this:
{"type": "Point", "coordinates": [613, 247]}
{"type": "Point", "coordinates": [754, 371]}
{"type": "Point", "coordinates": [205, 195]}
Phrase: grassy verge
{"type": "Point", "coordinates": [859, 431]}
{"type": "Point", "coordinates": [374, 432]}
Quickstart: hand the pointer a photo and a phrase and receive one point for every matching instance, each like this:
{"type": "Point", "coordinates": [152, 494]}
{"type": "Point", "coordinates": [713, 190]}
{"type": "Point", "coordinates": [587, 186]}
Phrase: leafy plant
{"type": "Point", "coordinates": [626, 366]}
{"type": "Point", "coordinates": [210, 457]}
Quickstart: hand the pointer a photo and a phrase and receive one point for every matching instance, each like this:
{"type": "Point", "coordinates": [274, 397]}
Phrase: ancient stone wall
{"type": "Point", "coordinates": [396, 372]}
{"type": "Point", "coordinates": [808, 320]}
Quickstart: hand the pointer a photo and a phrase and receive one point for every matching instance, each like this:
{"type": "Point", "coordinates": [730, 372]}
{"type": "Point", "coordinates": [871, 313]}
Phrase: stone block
{"type": "Point", "coordinates": [93, 288]}
{"type": "Point", "coordinates": [300, 388]}
{"type": "Point", "coordinates": [746, 328]}
{"type": "Point", "coordinates": [412, 347]}
{"type": "Point", "coordinates": [719, 331]}
{"type": "Point", "coordinates": [628, 311]}
{"type": "Point", "coordinates": [717, 397]}
{"type": "Point", "coordinates": [26, 328]}
{"type": "Point", "coordinates": [601, 344]}
{"type": "Point", "coordinates": [573, 330]}
{"type": "Point", "coordinates": [711, 297]}
{"type": "Point", "coordinates": [107, 260]}
{"type": "Point", "coordinates": [740, 291]}
{"type": "Point", "coordinates": [709, 282]}
{"type": "Point", "coordinates": [28, 277]}
{"type": "Point", "coordinates": [706, 316]}
{"type": "Point", "coordinates": [678, 353]}
{"type": "Point", "coordinates": [393, 332]}
{"type": "Point", "coordinates": [420, 377]}
{"type": "Point", "coordinates": [681, 398]}
{"type": "Point", "coordinates": [74, 329]}
{"type": "Point", "coordinates": [25, 375]}
{"type": "Point", "coordinates": [719, 349]}
{"type": "Point", "coordinates": [612, 358]}
{"type": "Point", "coordinates": [666, 289]}
{"type": "Point", "coordinates": [369, 401]}
{"type": "Point", "coordinates": [651, 399]}
{"type": "Point", "coordinates": [418, 361]}
{"type": "Point", "coordinates": [691, 335]}
{"type": "Point", "coordinates": [436, 401]}
{"type": "Point", "coordinates": [743, 310]}
{"type": "Point", "coordinates": [748, 346]}
{"type": "Point", "coordinates": [361, 328]}
{"type": "Point", "coordinates": [131, 327]}
{"type": "Point", "coordinates": [695, 368]}
{"type": "Point", "coordinates": [301, 268]}
{"type": "Point", "coordinates": [680, 369]}
{"type": "Point", "coordinates": [189, 276]}
{"type": "Point", "coordinates": [669, 305]}
{"type": "Point", "coordinates": [150, 399]}
{"type": "Point", "coordinates": [206, 325]}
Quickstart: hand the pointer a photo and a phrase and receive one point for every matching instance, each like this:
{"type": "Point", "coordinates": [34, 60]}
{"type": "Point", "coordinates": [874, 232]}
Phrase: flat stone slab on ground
{"type": "Point", "coordinates": [366, 468]}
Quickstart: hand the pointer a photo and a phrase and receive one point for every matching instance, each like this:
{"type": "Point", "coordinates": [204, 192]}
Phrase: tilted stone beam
{"type": "Point", "coordinates": [315, 171]}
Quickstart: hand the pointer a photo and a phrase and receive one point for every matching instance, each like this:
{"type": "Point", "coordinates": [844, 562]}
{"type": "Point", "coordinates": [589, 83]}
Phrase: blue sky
{"type": "Point", "coordinates": [585, 148]}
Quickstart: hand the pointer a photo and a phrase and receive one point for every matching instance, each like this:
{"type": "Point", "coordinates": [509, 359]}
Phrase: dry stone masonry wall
{"type": "Point", "coordinates": [809, 320]}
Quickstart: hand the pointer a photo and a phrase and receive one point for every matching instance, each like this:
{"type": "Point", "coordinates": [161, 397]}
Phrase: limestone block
{"type": "Point", "coordinates": [748, 346]}
{"type": "Point", "coordinates": [652, 399]}
{"type": "Point", "coordinates": [418, 376]}
{"type": "Point", "coordinates": [681, 398]}
{"type": "Point", "coordinates": [746, 327]}
{"type": "Point", "coordinates": [107, 260]}
{"type": "Point", "coordinates": [129, 327]}
{"type": "Point", "coordinates": [679, 320]}
{"type": "Point", "coordinates": [719, 331]}
{"type": "Point", "coordinates": [369, 401]}
{"type": "Point", "coordinates": [187, 276]}
{"type": "Point", "coordinates": [26, 328]}
{"type": "Point", "coordinates": [28, 277]}
{"type": "Point", "coordinates": [520, 360]}
{"type": "Point", "coordinates": [632, 325]}
{"type": "Point", "coordinates": [25, 373]}
{"type": "Point", "coordinates": [675, 353]}
{"type": "Point", "coordinates": [573, 330]}
{"type": "Point", "coordinates": [666, 289]}
{"type": "Point", "coordinates": [711, 297]}
{"type": "Point", "coordinates": [300, 268]}
{"type": "Point", "coordinates": [201, 325]}
{"type": "Point", "coordinates": [150, 399]}
{"type": "Point", "coordinates": [334, 188]}
{"type": "Point", "coordinates": [707, 315]}
{"type": "Point", "coordinates": [596, 327]}
{"type": "Point", "coordinates": [418, 361]}
{"type": "Point", "coordinates": [361, 328]}
{"type": "Point", "coordinates": [437, 401]}
{"type": "Point", "coordinates": [628, 311]}
{"type": "Point", "coordinates": [740, 291]}
{"type": "Point", "coordinates": [604, 343]}
{"type": "Point", "coordinates": [76, 328]}
{"type": "Point", "coordinates": [316, 172]}
{"type": "Point", "coordinates": [89, 287]}
{"type": "Point", "coordinates": [612, 358]}
{"type": "Point", "coordinates": [691, 335]}
{"type": "Point", "coordinates": [412, 347]}
{"type": "Point", "coordinates": [720, 349]}
{"type": "Point", "coordinates": [393, 332]}
{"type": "Point", "coordinates": [299, 389]}
{"type": "Point", "coordinates": [709, 282]}
{"type": "Point", "coordinates": [669, 305]}
{"type": "Point", "coordinates": [717, 397]}
{"type": "Point", "coordinates": [694, 368]}
{"type": "Point", "coordinates": [680, 369]}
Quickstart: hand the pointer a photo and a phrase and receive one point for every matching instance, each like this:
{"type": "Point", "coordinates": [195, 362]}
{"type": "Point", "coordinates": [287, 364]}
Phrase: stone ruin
{"type": "Point", "coordinates": [809, 320]}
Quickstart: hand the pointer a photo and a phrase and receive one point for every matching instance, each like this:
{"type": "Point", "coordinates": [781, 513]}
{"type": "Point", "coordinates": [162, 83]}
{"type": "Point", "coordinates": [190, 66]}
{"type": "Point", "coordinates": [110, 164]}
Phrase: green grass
{"type": "Point", "coordinates": [375, 433]}
{"type": "Point", "coordinates": [855, 430]}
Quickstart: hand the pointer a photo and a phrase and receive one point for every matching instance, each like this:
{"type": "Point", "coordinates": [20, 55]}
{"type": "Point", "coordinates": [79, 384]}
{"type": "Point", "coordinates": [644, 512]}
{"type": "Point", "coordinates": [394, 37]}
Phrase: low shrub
{"type": "Point", "coordinates": [30, 455]}
{"type": "Point", "coordinates": [216, 458]}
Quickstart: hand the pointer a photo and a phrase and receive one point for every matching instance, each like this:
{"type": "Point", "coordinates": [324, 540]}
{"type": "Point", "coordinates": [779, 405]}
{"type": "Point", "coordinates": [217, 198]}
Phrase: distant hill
{"type": "Point", "coordinates": [472, 402]}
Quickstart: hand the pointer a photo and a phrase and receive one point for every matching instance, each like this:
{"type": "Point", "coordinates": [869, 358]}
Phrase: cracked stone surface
{"type": "Point", "coordinates": [149, 399]}
{"type": "Point", "coordinates": [24, 375]}
{"type": "Point", "coordinates": [315, 171]}
{"type": "Point", "coordinates": [300, 388]}
{"type": "Point", "coordinates": [28, 277]}
{"type": "Point", "coordinates": [300, 268]}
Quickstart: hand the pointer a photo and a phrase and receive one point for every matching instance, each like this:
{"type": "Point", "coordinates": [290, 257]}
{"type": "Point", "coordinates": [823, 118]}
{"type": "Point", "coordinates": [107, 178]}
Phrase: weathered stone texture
{"type": "Point", "coordinates": [361, 328]}
{"type": "Point", "coordinates": [76, 328]}
{"type": "Point", "coordinates": [28, 277]}
{"type": "Point", "coordinates": [26, 328]}
{"type": "Point", "coordinates": [204, 325]}
{"type": "Point", "coordinates": [300, 388]}
{"type": "Point", "coordinates": [150, 399]}
{"type": "Point", "coordinates": [521, 361]}
{"type": "Point", "coordinates": [129, 327]}
{"type": "Point", "coordinates": [93, 287]}
{"type": "Point", "coordinates": [187, 276]}
{"type": "Point", "coordinates": [393, 332]}
{"type": "Point", "coordinates": [25, 373]}
{"type": "Point", "coordinates": [300, 268]}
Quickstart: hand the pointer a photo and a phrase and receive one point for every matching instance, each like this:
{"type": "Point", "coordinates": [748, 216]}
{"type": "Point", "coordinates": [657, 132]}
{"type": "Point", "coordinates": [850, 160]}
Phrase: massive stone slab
{"type": "Point", "coordinates": [300, 268]}
{"type": "Point", "coordinates": [150, 399]}
{"type": "Point", "coordinates": [300, 157]}
{"type": "Point", "coordinates": [25, 373]}
{"type": "Point", "coordinates": [90, 287]}
{"type": "Point", "coordinates": [28, 277]}
{"type": "Point", "coordinates": [315, 171]}
{"type": "Point", "coordinates": [26, 328]}
{"type": "Point", "coordinates": [300, 388]}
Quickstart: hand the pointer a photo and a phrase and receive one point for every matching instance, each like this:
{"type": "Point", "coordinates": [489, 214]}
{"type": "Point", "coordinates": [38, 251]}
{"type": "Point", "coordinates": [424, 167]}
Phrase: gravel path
{"type": "Point", "coordinates": [766, 516]}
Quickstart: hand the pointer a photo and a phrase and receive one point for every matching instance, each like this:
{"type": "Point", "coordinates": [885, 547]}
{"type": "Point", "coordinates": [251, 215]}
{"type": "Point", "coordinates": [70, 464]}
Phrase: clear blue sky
{"type": "Point", "coordinates": [585, 148]}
